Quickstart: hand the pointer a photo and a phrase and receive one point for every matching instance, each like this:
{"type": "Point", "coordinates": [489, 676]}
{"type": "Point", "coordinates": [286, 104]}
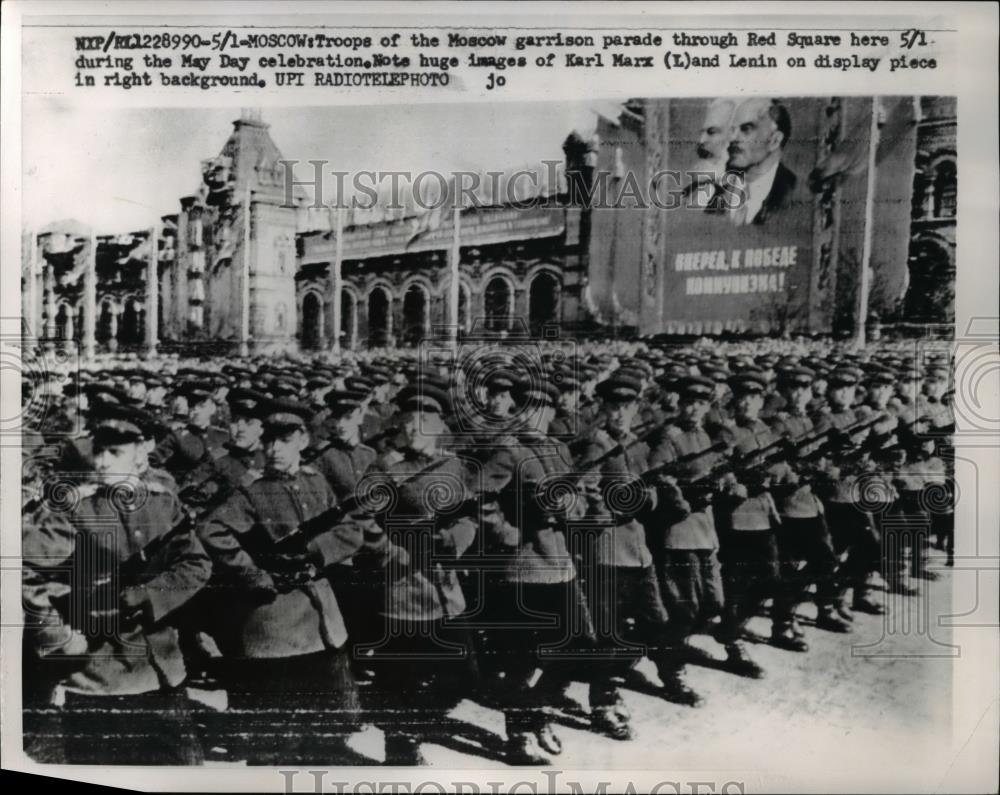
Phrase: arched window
{"type": "Point", "coordinates": [379, 317]}
{"type": "Point", "coordinates": [348, 319]}
{"type": "Point", "coordinates": [312, 321]}
{"type": "Point", "coordinates": [543, 302]}
{"type": "Point", "coordinates": [498, 300]}
{"type": "Point", "coordinates": [945, 189]}
{"type": "Point", "coordinates": [415, 314]}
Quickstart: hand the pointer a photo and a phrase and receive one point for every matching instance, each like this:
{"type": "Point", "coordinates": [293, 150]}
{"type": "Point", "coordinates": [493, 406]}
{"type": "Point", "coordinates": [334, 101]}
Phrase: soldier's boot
{"type": "Point", "coordinates": [676, 690]}
{"type": "Point", "coordinates": [531, 721]}
{"type": "Point", "coordinates": [843, 611]}
{"type": "Point", "coordinates": [403, 750]}
{"type": "Point", "coordinates": [610, 716]}
{"type": "Point", "coordinates": [900, 587]}
{"type": "Point", "coordinates": [740, 663]}
{"type": "Point", "coordinates": [523, 750]}
{"type": "Point", "coordinates": [828, 619]}
{"type": "Point", "coordinates": [863, 603]}
{"type": "Point", "coordinates": [918, 561]}
{"type": "Point", "coordinates": [548, 739]}
{"type": "Point", "coordinates": [783, 636]}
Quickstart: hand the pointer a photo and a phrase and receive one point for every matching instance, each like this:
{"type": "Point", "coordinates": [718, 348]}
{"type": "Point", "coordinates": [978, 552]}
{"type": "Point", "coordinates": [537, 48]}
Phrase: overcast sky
{"type": "Point", "coordinates": [121, 170]}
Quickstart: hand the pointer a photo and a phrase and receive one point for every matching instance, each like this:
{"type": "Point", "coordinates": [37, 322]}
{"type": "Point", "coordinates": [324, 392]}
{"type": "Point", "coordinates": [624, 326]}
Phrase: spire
{"type": "Point", "coordinates": [254, 158]}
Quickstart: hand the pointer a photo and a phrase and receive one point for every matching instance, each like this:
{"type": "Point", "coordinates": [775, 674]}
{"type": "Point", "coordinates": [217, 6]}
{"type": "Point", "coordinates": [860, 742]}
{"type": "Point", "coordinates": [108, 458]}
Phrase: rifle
{"type": "Point", "coordinates": [191, 494]}
{"type": "Point", "coordinates": [678, 465]}
{"type": "Point", "coordinates": [742, 464]}
{"type": "Point", "coordinates": [838, 435]}
{"type": "Point", "coordinates": [311, 528]}
{"type": "Point", "coordinates": [96, 609]}
{"type": "Point", "coordinates": [643, 433]}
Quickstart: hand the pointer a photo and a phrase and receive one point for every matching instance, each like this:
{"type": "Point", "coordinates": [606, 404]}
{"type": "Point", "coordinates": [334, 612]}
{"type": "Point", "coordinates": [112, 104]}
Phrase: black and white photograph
{"type": "Point", "coordinates": [615, 431]}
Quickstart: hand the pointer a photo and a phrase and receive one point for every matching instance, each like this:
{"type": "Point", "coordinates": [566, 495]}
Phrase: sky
{"type": "Point", "coordinates": [120, 170]}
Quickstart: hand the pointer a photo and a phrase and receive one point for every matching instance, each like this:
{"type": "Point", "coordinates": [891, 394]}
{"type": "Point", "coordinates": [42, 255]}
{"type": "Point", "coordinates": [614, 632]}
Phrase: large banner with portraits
{"type": "Point", "coordinates": [757, 208]}
{"type": "Point", "coordinates": [738, 251]}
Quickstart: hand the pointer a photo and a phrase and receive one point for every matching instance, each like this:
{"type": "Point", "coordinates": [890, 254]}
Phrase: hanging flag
{"type": "Point", "coordinates": [849, 156]}
{"type": "Point", "coordinates": [429, 219]}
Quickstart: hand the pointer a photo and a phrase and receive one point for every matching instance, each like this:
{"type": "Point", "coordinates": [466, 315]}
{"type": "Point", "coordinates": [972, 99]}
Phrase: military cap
{"type": "Point", "coordinates": [424, 398]}
{"type": "Point", "coordinates": [796, 375]}
{"type": "Point", "coordinates": [114, 423]}
{"type": "Point", "coordinates": [631, 371]}
{"type": "Point", "coordinates": [740, 362]}
{"type": "Point", "coordinates": [136, 377]}
{"type": "Point", "coordinates": [317, 383]}
{"type": "Point", "coordinates": [639, 365]}
{"type": "Point", "coordinates": [344, 401]}
{"type": "Point", "coordinates": [717, 374]}
{"type": "Point", "coordinates": [619, 388]}
{"type": "Point", "coordinates": [565, 380]}
{"type": "Point", "coordinates": [284, 416]}
{"type": "Point", "coordinates": [283, 389]}
{"type": "Point", "coordinates": [937, 371]}
{"type": "Point", "coordinates": [748, 381]}
{"type": "Point", "coordinates": [502, 380]}
{"type": "Point", "coordinates": [696, 387]}
{"type": "Point", "coordinates": [191, 371]}
{"type": "Point", "coordinates": [538, 392]}
{"type": "Point", "coordinates": [358, 383]}
{"type": "Point", "coordinates": [198, 391]}
{"type": "Point", "coordinates": [379, 375]}
{"type": "Point", "coordinates": [102, 393]}
{"type": "Point", "coordinates": [672, 376]}
{"type": "Point", "coordinates": [247, 403]}
{"type": "Point", "coordinates": [70, 390]}
{"type": "Point", "coordinates": [236, 370]}
{"type": "Point", "coordinates": [881, 376]}
{"type": "Point", "coordinates": [843, 376]}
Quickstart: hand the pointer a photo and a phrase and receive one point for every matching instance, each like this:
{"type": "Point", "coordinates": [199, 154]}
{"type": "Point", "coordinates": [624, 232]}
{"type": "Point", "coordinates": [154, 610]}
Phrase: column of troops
{"type": "Point", "coordinates": [335, 545]}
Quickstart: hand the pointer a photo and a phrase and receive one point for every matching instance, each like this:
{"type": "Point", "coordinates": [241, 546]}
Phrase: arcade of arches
{"type": "Point", "coordinates": [379, 312]}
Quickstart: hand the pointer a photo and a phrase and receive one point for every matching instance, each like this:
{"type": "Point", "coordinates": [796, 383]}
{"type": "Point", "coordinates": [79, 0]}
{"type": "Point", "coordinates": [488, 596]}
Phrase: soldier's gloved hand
{"type": "Point", "coordinates": [289, 581]}
{"type": "Point", "coordinates": [134, 607]}
{"type": "Point", "coordinates": [757, 483]}
{"type": "Point", "coordinates": [291, 562]}
{"type": "Point", "coordinates": [75, 646]}
{"type": "Point", "coordinates": [668, 487]}
{"type": "Point", "coordinates": [672, 498]}
{"type": "Point", "coordinates": [263, 594]}
{"type": "Point", "coordinates": [701, 496]}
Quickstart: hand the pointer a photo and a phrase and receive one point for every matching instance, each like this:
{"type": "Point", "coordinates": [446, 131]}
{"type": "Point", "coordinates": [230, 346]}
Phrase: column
{"type": "Point", "coordinates": [89, 306]}
{"type": "Point", "coordinates": [68, 328]}
{"type": "Point", "coordinates": [49, 289]}
{"type": "Point", "coordinates": [244, 349]}
{"type": "Point", "coordinates": [152, 293]}
{"type": "Point", "coordinates": [519, 316]}
{"type": "Point", "coordinates": [927, 198]}
{"type": "Point", "coordinates": [321, 341]}
{"type": "Point", "coordinates": [30, 316]}
{"type": "Point", "coordinates": [338, 276]}
{"type": "Point", "coordinates": [112, 327]}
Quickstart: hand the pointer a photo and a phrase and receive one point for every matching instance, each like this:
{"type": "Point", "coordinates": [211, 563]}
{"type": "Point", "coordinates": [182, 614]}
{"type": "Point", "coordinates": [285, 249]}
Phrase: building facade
{"type": "Point", "coordinates": [233, 268]}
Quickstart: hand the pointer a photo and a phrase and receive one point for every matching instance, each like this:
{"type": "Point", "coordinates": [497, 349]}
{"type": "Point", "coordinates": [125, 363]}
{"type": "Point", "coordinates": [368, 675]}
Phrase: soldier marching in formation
{"type": "Point", "coordinates": [367, 541]}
